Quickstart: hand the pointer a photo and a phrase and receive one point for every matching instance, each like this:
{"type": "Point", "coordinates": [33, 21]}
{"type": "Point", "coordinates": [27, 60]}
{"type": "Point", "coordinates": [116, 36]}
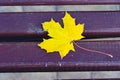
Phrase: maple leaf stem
{"type": "Point", "coordinates": [95, 51]}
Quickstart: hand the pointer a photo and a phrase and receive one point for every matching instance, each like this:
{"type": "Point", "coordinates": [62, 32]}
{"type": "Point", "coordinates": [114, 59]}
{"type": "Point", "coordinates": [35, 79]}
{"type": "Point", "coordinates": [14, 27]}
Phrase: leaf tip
{"type": "Point", "coordinates": [52, 19]}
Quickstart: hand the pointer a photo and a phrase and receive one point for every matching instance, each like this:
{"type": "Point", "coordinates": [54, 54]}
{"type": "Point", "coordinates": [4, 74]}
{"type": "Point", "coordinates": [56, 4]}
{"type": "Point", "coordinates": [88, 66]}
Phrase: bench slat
{"type": "Point", "coordinates": [56, 2]}
{"type": "Point", "coordinates": [27, 56]}
{"type": "Point", "coordinates": [28, 25]}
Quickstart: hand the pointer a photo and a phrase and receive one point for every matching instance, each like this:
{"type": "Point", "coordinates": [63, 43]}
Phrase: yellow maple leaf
{"type": "Point", "coordinates": [62, 37]}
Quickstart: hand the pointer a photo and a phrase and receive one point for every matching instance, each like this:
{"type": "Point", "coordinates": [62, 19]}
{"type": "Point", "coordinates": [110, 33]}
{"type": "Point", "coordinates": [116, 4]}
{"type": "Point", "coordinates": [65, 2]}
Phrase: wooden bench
{"type": "Point", "coordinates": [20, 32]}
{"type": "Point", "coordinates": [57, 2]}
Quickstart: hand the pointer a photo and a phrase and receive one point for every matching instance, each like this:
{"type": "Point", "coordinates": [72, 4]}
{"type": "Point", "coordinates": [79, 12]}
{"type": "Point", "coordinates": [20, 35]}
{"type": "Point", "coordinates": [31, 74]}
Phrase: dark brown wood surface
{"type": "Point", "coordinates": [56, 2]}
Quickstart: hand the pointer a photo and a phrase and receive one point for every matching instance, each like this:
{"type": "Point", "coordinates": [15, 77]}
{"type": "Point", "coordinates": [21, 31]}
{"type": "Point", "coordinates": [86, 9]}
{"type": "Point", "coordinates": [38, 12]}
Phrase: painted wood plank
{"type": "Point", "coordinates": [57, 2]}
{"type": "Point", "coordinates": [28, 25]}
{"type": "Point", "coordinates": [27, 56]}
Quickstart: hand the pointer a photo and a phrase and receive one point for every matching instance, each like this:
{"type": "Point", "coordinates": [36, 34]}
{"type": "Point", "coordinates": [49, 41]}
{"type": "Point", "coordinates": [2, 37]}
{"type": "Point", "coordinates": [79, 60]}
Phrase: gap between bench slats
{"type": "Point", "coordinates": [28, 25]}
{"type": "Point", "coordinates": [27, 56]}
{"type": "Point", "coordinates": [56, 2]}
